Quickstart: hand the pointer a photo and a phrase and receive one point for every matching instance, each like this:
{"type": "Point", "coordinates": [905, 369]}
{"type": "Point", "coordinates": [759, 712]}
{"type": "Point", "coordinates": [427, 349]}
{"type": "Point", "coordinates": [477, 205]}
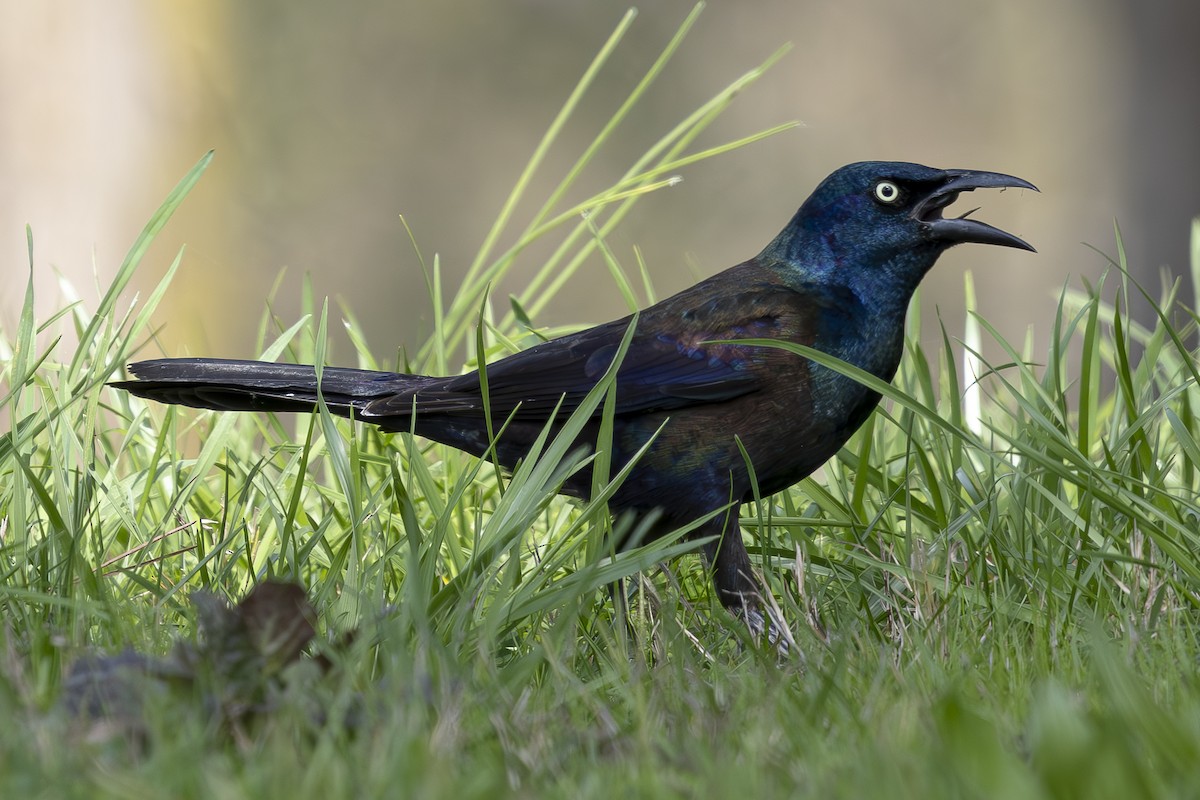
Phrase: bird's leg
{"type": "Point", "coordinates": [621, 592]}
{"type": "Point", "coordinates": [737, 588]}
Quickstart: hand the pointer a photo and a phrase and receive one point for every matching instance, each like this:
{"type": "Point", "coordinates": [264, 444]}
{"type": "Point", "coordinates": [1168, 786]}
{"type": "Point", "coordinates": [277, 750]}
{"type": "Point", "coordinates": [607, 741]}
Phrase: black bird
{"type": "Point", "coordinates": [838, 278]}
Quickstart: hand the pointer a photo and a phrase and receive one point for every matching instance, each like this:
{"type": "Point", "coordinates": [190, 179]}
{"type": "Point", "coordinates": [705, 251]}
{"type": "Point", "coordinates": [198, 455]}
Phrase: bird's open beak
{"type": "Point", "coordinates": [959, 230]}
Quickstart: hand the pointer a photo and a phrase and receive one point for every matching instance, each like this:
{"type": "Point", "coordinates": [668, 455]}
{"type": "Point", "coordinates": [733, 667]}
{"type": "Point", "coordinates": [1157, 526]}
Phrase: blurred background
{"type": "Point", "coordinates": [330, 121]}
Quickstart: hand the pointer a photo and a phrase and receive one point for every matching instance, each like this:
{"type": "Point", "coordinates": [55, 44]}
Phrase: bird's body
{"type": "Point", "coordinates": [838, 279]}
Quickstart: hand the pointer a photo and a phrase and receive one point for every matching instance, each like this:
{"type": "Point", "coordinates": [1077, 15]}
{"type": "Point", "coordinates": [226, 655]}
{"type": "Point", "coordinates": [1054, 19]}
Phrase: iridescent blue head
{"type": "Point", "coordinates": [878, 225]}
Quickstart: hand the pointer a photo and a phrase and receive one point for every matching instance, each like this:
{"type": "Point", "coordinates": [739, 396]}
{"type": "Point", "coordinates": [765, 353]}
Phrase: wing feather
{"type": "Point", "coordinates": [660, 371]}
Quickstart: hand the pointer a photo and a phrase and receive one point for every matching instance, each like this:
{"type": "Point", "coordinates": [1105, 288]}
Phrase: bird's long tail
{"type": "Point", "coordinates": [232, 385]}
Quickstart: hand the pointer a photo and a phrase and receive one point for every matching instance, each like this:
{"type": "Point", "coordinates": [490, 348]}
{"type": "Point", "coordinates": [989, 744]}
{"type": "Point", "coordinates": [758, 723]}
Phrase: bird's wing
{"type": "Point", "coordinates": [659, 371]}
{"type": "Point", "coordinates": [672, 360]}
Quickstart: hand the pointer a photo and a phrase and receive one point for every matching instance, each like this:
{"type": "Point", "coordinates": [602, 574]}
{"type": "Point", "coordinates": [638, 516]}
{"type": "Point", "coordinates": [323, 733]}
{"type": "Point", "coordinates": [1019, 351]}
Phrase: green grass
{"type": "Point", "coordinates": [992, 598]}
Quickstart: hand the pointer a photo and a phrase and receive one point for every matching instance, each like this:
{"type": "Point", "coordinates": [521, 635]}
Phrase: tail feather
{"type": "Point", "coordinates": [232, 385]}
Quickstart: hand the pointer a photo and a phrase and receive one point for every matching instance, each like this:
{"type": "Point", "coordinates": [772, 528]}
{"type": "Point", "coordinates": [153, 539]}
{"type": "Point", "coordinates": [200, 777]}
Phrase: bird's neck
{"type": "Point", "coordinates": [883, 283]}
{"type": "Point", "coordinates": [886, 288]}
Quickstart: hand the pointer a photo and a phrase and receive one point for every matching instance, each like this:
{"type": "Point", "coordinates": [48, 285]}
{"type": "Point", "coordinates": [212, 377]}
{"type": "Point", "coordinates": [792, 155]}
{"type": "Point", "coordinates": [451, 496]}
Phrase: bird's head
{"type": "Point", "coordinates": [886, 217]}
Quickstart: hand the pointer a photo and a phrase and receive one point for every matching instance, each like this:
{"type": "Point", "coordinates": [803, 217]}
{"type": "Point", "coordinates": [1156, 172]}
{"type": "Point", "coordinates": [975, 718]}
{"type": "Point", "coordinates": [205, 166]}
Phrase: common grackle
{"type": "Point", "coordinates": [838, 278]}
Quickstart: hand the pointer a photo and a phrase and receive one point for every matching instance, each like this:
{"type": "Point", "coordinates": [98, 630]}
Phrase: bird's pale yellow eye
{"type": "Point", "coordinates": [887, 192]}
